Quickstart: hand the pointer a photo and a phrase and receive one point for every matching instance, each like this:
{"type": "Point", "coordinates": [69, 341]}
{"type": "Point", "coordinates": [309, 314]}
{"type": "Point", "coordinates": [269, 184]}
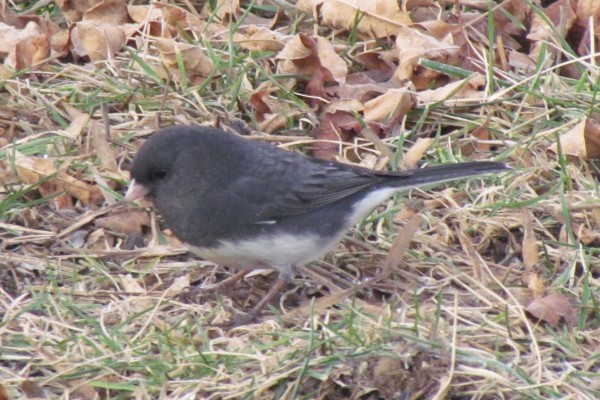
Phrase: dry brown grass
{"type": "Point", "coordinates": [81, 317]}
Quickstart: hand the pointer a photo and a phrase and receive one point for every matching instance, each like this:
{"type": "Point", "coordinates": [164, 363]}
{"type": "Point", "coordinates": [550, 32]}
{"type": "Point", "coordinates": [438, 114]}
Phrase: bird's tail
{"type": "Point", "coordinates": [444, 173]}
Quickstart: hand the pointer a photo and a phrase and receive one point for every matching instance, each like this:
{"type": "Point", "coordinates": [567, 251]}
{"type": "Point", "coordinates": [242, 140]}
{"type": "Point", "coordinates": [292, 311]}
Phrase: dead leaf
{"type": "Point", "coordinates": [582, 141]}
{"type": "Point", "coordinates": [402, 242]}
{"type": "Point", "coordinates": [98, 41]}
{"type": "Point", "coordinates": [31, 51]}
{"type": "Point", "coordinates": [124, 222]}
{"type": "Point", "coordinates": [196, 64]}
{"type": "Point", "coordinates": [411, 158]}
{"type": "Point", "coordinates": [561, 17]}
{"type": "Point", "coordinates": [551, 308]}
{"type": "Point", "coordinates": [530, 246]}
{"type": "Point", "coordinates": [392, 105]}
{"type": "Point", "coordinates": [333, 128]}
{"type": "Point", "coordinates": [32, 390]}
{"type": "Point", "coordinates": [11, 35]}
{"type": "Point", "coordinates": [101, 147]}
{"type": "Point", "coordinates": [535, 284]}
{"type": "Point", "coordinates": [74, 10]}
{"type": "Point", "coordinates": [130, 284]}
{"type": "Point", "coordinates": [450, 94]}
{"type": "Point", "coordinates": [77, 125]}
{"type": "Point", "coordinates": [413, 45]}
{"type": "Point", "coordinates": [225, 10]}
{"type": "Point", "coordinates": [84, 390]}
{"type": "Point", "coordinates": [260, 38]}
{"type": "Point", "coordinates": [373, 19]}
{"type": "Point", "coordinates": [178, 286]}
{"type": "Point", "coordinates": [109, 12]}
{"type": "Point", "coordinates": [33, 169]}
{"type": "Point", "coordinates": [308, 56]}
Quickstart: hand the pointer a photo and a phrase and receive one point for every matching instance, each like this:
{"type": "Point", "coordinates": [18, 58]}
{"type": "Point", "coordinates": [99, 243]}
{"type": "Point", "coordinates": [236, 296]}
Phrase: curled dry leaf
{"type": "Point", "coordinates": [112, 12]}
{"type": "Point", "coordinates": [530, 246]}
{"type": "Point", "coordinates": [334, 127]}
{"type": "Point", "coordinates": [306, 55]}
{"type": "Point", "coordinates": [413, 44]}
{"type": "Point", "coordinates": [582, 141]}
{"type": "Point", "coordinates": [259, 38]}
{"type": "Point", "coordinates": [561, 17]}
{"type": "Point", "coordinates": [392, 105]}
{"type": "Point", "coordinates": [196, 64]}
{"type": "Point", "coordinates": [33, 169]}
{"type": "Point", "coordinates": [31, 51]}
{"type": "Point", "coordinates": [416, 152]}
{"type": "Point", "coordinates": [77, 125]}
{"type": "Point", "coordinates": [464, 89]}
{"type": "Point", "coordinates": [551, 308]}
{"type": "Point", "coordinates": [97, 41]}
{"type": "Point", "coordinates": [402, 242]}
{"type": "Point", "coordinates": [74, 10]}
{"type": "Point", "coordinates": [479, 142]}
{"type": "Point", "coordinates": [535, 284]}
{"type": "Point", "coordinates": [12, 35]}
{"type": "Point", "coordinates": [101, 148]}
{"type": "Point", "coordinates": [378, 18]}
{"type": "Point", "coordinates": [124, 222]}
{"type": "Point", "coordinates": [179, 284]}
{"type": "Point", "coordinates": [224, 9]}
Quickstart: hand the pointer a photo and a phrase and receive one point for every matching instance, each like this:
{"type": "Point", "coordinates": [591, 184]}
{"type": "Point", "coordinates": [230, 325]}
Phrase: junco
{"type": "Point", "coordinates": [251, 205]}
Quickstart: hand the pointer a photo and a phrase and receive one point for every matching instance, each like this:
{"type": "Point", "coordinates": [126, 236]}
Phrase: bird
{"type": "Point", "coordinates": [251, 205]}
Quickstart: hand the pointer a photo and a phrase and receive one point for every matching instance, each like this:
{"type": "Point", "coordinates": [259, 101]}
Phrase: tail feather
{"type": "Point", "coordinates": [445, 173]}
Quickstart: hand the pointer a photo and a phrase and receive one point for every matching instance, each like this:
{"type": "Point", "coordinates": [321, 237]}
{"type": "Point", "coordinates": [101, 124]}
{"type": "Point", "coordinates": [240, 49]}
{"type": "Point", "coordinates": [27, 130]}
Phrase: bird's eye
{"type": "Point", "coordinates": [159, 174]}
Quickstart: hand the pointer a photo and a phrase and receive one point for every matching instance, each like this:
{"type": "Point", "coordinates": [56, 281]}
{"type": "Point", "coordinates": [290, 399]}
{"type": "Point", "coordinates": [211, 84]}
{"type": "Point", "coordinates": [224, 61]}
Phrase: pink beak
{"type": "Point", "coordinates": [135, 191]}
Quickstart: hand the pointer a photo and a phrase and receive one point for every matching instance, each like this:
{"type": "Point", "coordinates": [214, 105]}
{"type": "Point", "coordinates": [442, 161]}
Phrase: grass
{"type": "Point", "coordinates": [444, 319]}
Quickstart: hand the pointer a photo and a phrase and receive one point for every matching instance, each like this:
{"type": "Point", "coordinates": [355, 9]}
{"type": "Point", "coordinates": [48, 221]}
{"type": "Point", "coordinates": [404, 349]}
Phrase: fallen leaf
{"type": "Point", "coordinates": [32, 390]}
{"type": "Point", "coordinates": [31, 51]}
{"type": "Point", "coordinates": [372, 19]}
{"type": "Point", "coordinates": [333, 128]}
{"type": "Point", "coordinates": [530, 246]}
{"type": "Point", "coordinates": [179, 284]}
{"type": "Point", "coordinates": [260, 38]}
{"type": "Point", "coordinates": [402, 242]}
{"type": "Point", "coordinates": [11, 35]}
{"type": "Point", "coordinates": [77, 125]}
{"type": "Point", "coordinates": [582, 141]}
{"type": "Point", "coordinates": [74, 10]}
{"type": "Point", "coordinates": [33, 169]}
{"type": "Point", "coordinates": [451, 93]}
{"type": "Point", "coordinates": [535, 284]}
{"type": "Point", "coordinates": [392, 105]}
{"type": "Point", "coordinates": [197, 66]}
{"type": "Point", "coordinates": [101, 147]}
{"type": "Point", "coordinates": [551, 308]}
{"type": "Point", "coordinates": [109, 12]}
{"type": "Point", "coordinates": [307, 55]}
{"type": "Point", "coordinates": [130, 284]}
{"type": "Point", "coordinates": [124, 222]}
{"type": "Point", "coordinates": [225, 10]}
{"type": "Point", "coordinates": [98, 41]}
{"type": "Point", "coordinates": [557, 20]}
{"type": "Point", "coordinates": [412, 157]}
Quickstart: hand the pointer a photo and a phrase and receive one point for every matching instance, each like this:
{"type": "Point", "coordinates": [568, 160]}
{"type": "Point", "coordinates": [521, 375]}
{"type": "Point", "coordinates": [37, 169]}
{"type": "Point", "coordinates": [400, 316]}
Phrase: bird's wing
{"type": "Point", "coordinates": [292, 184]}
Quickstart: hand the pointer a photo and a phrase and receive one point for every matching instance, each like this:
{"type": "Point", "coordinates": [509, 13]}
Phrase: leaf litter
{"type": "Point", "coordinates": [490, 291]}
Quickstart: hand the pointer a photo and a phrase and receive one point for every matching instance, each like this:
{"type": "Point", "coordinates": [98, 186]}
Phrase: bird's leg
{"type": "Point", "coordinates": [243, 319]}
{"type": "Point", "coordinates": [277, 285]}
